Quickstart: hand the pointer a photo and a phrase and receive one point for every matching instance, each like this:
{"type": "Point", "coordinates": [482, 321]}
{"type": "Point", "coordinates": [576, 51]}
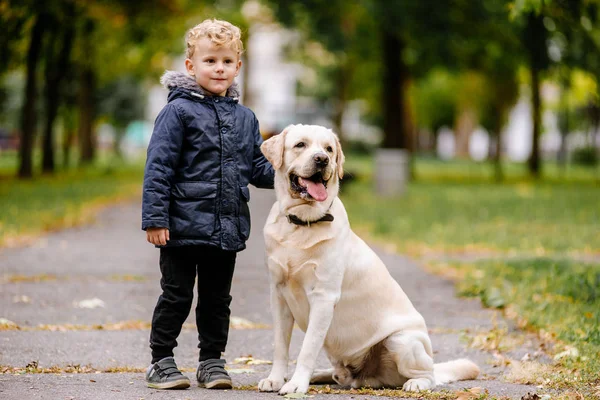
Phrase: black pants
{"type": "Point", "coordinates": [179, 266]}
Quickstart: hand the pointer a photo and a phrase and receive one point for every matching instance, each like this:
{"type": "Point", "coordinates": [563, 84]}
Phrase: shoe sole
{"type": "Point", "coordinates": [216, 384]}
{"type": "Point", "coordinates": [178, 384]}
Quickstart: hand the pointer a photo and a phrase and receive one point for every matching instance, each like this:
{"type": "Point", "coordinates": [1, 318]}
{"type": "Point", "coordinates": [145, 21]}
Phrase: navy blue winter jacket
{"type": "Point", "coordinates": [203, 153]}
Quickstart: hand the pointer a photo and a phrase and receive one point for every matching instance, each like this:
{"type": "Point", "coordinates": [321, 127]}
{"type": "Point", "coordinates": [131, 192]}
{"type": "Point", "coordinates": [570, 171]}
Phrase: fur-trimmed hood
{"type": "Point", "coordinates": [173, 79]}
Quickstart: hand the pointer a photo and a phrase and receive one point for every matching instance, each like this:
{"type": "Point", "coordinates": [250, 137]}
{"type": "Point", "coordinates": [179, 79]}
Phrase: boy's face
{"type": "Point", "coordinates": [213, 67]}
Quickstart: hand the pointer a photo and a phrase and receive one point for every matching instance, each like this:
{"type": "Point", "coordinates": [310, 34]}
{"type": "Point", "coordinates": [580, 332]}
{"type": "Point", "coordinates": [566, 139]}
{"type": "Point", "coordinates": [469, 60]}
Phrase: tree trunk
{"type": "Point", "coordinates": [498, 171]}
{"type": "Point", "coordinates": [87, 89]}
{"type": "Point", "coordinates": [28, 115]}
{"type": "Point", "coordinates": [395, 81]}
{"type": "Point", "coordinates": [119, 135]}
{"type": "Point", "coordinates": [247, 98]}
{"type": "Point", "coordinates": [466, 122]}
{"type": "Point", "coordinates": [69, 136]}
{"type": "Point", "coordinates": [393, 162]}
{"type": "Point", "coordinates": [534, 158]}
{"type": "Point", "coordinates": [564, 127]}
{"type": "Point", "coordinates": [56, 69]}
{"type": "Point", "coordinates": [535, 37]}
{"type": "Point", "coordinates": [50, 96]}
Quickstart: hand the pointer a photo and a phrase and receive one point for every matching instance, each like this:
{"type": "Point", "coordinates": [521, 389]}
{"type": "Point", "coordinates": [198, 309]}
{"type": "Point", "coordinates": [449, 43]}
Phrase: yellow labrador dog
{"type": "Point", "coordinates": [338, 291]}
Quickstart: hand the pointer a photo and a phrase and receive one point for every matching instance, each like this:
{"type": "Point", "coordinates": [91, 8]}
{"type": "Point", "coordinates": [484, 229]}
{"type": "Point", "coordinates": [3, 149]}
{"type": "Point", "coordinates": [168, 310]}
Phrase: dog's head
{"type": "Point", "coordinates": [308, 161]}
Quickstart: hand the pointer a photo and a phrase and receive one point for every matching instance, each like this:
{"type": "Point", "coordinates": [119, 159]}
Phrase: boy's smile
{"type": "Point", "coordinates": [213, 67]}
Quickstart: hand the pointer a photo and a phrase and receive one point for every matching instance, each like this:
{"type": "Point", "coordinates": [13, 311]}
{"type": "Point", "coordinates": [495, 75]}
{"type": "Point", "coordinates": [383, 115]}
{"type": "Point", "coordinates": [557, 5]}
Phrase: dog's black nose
{"type": "Point", "coordinates": [321, 159]}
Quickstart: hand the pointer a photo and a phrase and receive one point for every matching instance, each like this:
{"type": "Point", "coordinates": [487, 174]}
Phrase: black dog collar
{"type": "Point", "coordinates": [292, 219]}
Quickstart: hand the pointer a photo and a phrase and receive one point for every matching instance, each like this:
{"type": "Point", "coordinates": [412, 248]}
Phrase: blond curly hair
{"type": "Point", "coordinates": [221, 33]}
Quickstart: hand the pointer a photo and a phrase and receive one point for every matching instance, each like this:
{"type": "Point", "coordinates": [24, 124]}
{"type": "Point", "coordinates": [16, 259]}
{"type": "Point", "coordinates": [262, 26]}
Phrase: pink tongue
{"type": "Point", "coordinates": [316, 190]}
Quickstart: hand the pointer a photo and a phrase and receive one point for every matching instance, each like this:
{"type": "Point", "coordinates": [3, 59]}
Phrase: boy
{"type": "Point", "coordinates": [204, 151]}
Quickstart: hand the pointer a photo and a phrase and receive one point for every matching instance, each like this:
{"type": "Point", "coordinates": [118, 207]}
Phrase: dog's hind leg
{"type": "Point", "coordinates": [322, 376]}
{"type": "Point", "coordinates": [412, 353]}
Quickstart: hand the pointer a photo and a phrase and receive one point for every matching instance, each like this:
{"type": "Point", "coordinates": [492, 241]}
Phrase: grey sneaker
{"type": "Point", "coordinates": [164, 374]}
{"type": "Point", "coordinates": [211, 374]}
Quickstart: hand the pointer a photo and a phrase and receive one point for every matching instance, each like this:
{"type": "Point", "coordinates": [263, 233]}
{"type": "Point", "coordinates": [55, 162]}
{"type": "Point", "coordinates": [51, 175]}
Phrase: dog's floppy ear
{"type": "Point", "coordinates": [339, 158]}
{"type": "Point", "coordinates": [272, 148]}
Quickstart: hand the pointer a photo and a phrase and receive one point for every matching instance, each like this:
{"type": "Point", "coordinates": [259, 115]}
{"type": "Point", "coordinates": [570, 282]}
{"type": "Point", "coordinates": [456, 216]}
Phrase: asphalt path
{"type": "Point", "coordinates": [83, 299]}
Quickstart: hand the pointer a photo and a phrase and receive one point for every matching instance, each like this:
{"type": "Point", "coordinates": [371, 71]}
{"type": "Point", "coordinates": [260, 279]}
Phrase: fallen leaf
{"type": "Point", "coordinates": [493, 298]}
{"type": "Point", "coordinates": [530, 396]}
{"type": "Point", "coordinates": [469, 394]}
{"type": "Point", "coordinates": [259, 362]}
{"type": "Point", "coordinates": [89, 303]}
{"type": "Point", "coordinates": [22, 299]}
{"type": "Point", "coordinates": [249, 360]}
{"type": "Point", "coordinates": [242, 323]}
{"type": "Point", "coordinates": [7, 325]}
{"type": "Point", "coordinates": [571, 352]}
{"type": "Point", "coordinates": [240, 370]}
{"type": "Point", "coordinates": [91, 380]}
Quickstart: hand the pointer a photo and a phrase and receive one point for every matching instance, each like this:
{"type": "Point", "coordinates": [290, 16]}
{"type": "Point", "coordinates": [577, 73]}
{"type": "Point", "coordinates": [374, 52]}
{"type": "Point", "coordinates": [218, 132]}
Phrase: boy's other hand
{"type": "Point", "coordinates": [157, 236]}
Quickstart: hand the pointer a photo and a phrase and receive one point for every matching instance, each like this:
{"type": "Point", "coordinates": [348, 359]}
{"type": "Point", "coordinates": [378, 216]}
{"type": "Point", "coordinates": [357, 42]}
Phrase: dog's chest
{"type": "Point", "coordinates": [294, 276]}
{"type": "Point", "coordinates": [294, 267]}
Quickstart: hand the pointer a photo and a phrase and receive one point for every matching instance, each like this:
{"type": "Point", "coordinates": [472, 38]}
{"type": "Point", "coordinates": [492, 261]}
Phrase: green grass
{"type": "Point", "coordinates": [69, 198]}
{"type": "Point", "coordinates": [473, 214]}
{"type": "Point", "coordinates": [532, 248]}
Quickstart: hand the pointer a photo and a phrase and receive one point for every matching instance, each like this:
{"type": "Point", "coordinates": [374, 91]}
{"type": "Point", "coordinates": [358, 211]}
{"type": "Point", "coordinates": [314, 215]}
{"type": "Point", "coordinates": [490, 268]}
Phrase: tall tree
{"type": "Point", "coordinates": [535, 37]}
{"type": "Point", "coordinates": [564, 28]}
{"type": "Point", "coordinates": [87, 91]}
{"type": "Point", "coordinates": [58, 46]}
{"type": "Point", "coordinates": [28, 116]}
{"type": "Point", "coordinates": [395, 93]}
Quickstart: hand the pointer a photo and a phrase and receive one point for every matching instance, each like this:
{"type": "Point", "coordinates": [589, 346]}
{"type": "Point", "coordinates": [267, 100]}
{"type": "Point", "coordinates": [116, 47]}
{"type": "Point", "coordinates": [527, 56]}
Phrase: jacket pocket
{"type": "Point", "coordinates": [194, 190]}
{"type": "Point", "coordinates": [192, 210]}
{"type": "Point", "coordinates": [244, 213]}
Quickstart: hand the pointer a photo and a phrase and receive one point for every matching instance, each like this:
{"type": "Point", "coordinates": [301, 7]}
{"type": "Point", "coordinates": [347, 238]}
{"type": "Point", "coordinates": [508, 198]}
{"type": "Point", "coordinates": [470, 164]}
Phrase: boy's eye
{"type": "Point", "coordinates": [299, 145]}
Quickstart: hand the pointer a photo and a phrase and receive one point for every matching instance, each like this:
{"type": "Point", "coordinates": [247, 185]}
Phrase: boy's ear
{"type": "Point", "coordinates": [238, 67]}
{"type": "Point", "coordinates": [273, 147]}
{"type": "Point", "coordinates": [189, 66]}
{"type": "Point", "coordinates": [339, 158]}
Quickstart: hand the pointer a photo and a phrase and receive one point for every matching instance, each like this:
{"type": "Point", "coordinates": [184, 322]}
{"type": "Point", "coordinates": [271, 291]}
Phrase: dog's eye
{"type": "Point", "coordinates": [329, 149]}
{"type": "Point", "coordinates": [299, 145]}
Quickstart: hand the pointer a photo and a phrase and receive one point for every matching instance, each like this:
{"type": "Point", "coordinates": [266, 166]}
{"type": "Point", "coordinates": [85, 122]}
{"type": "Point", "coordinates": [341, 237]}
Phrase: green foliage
{"type": "Point", "coordinates": [587, 156]}
{"type": "Point", "coordinates": [14, 19]}
{"type": "Point", "coordinates": [435, 100]}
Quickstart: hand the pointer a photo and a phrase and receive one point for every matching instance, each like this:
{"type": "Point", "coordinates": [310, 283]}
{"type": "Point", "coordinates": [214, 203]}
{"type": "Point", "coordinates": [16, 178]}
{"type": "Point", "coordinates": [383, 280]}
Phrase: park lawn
{"type": "Point", "coordinates": [459, 210]}
{"type": "Point", "coordinates": [29, 208]}
{"type": "Point", "coordinates": [559, 299]}
{"type": "Point", "coordinates": [531, 249]}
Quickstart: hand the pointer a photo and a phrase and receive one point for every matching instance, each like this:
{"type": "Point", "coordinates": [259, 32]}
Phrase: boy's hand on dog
{"type": "Point", "coordinates": [157, 236]}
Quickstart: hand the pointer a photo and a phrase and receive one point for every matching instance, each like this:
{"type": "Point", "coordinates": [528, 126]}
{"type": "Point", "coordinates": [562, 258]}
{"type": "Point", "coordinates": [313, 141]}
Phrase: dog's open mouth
{"type": "Point", "coordinates": [313, 187]}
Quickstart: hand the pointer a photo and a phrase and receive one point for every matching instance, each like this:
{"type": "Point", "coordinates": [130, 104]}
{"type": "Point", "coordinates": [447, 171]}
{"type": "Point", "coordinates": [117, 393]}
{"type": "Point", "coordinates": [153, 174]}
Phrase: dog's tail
{"type": "Point", "coordinates": [456, 370]}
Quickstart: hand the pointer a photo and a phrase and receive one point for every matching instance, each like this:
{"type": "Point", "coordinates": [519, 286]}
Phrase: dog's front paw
{"type": "Point", "coordinates": [416, 385]}
{"type": "Point", "coordinates": [270, 384]}
{"type": "Point", "coordinates": [294, 387]}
